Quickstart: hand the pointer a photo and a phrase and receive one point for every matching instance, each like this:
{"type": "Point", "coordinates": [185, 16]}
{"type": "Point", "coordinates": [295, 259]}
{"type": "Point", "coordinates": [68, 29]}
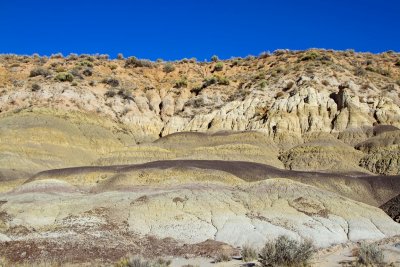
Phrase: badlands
{"type": "Point", "coordinates": [103, 158]}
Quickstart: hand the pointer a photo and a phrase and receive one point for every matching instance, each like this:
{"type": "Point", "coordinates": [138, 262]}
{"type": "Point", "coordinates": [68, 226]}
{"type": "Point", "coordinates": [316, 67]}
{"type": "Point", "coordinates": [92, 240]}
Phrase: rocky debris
{"type": "Point", "coordinates": [392, 208]}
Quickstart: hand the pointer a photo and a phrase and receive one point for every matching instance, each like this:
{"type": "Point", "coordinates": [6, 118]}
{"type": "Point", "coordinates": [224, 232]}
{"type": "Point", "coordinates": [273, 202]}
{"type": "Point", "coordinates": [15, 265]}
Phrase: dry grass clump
{"type": "Point", "coordinates": [138, 262]}
{"type": "Point", "coordinates": [222, 257]}
{"type": "Point", "coordinates": [249, 253]}
{"type": "Point", "coordinates": [286, 252]}
{"type": "Point", "coordinates": [370, 255]}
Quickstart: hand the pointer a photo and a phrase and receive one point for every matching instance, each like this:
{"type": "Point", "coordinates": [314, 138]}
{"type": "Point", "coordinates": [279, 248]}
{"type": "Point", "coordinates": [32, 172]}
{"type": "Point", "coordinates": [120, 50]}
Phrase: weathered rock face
{"type": "Point", "coordinates": [383, 153]}
{"type": "Point", "coordinates": [192, 213]}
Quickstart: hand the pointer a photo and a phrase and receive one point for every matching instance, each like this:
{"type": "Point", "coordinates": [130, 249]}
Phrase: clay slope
{"type": "Point", "coordinates": [192, 213]}
{"type": "Point", "coordinates": [373, 190]}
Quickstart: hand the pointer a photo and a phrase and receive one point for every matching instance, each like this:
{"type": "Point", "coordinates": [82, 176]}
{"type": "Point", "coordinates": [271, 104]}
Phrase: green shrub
{"type": "Point", "coordinates": [219, 66]}
{"type": "Point", "coordinates": [181, 83]}
{"type": "Point", "coordinates": [286, 252]}
{"type": "Point", "coordinates": [168, 67]}
{"type": "Point", "coordinates": [214, 58]}
{"type": "Point", "coordinates": [39, 72]}
{"type": "Point", "coordinates": [86, 63]}
{"type": "Point", "coordinates": [248, 253]}
{"type": "Point", "coordinates": [370, 255]}
{"type": "Point", "coordinates": [64, 77]}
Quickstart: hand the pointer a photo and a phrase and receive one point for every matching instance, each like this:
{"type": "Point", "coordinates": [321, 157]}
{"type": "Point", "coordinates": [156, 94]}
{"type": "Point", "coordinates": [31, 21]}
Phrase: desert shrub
{"type": "Point", "coordinates": [280, 52]}
{"type": "Point", "coordinates": [137, 262]}
{"type": "Point", "coordinates": [181, 83]}
{"type": "Point", "coordinates": [72, 56]}
{"type": "Point", "coordinates": [370, 255]}
{"type": "Point", "coordinates": [383, 72]}
{"type": "Point", "coordinates": [161, 263]}
{"type": "Point", "coordinates": [35, 87]}
{"type": "Point", "coordinates": [397, 63]}
{"type": "Point", "coordinates": [286, 252]}
{"type": "Point", "coordinates": [39, 72]}
{"type": "Point", "coordinates": [314, 55]}
{"type": "Point", "coordinates": [58, 55]}
{"type": "Point", "coordinates": [223, 81]}
{"type": "Point", "coordinates": [214, 80]}
{"type": "Point", "coordinates": [110, 93]}
{"type": "Point", "coordinates": [61, 69]}
{"type": "Point", "coordinates": [214, 58]}
{"type": "Point", "coordinates": [264, 54]}
{"type": "Point", "coordinates": [120, 56]}
{"type": "Point", "coordinates": [64, 77]}
{"type": "Point", "coordinates": [86, 63]}
{"type": "Point", "coordinates": [113, 82]}
{"type": "Point", "coordinates": [310, 56]}
{"type": "Point", "coordinates": [125, 94]}
{"type": "Point", "coordinates": [87, 72]}
{"type": "Point", "coordinates": [222, 257]}
{"type": "Point", "coordinates": [168, 67]}
{"type": "Point", "coordinates": [359, 71]}
{"type": "Point", "coordinates": [75, 72]}
{"type": "Point", "coordinates": [132, 262]}
{"type": "Point", "coordinates": [134, 63]}
{"type": "Point", "coordinates": [113, 66]}
{"type": "Point", "coordinates": [248, 253]}
{"type": "Point", "coordinates": [103, 56]}
{"type": "Point", "coordinates": [219, 66]}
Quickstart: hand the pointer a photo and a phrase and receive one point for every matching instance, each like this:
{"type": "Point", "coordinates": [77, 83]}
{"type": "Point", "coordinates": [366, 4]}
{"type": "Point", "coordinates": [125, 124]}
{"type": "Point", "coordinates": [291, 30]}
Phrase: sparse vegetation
{"type": "Point", "coordinates": [219, 66]}
{"type": "Point", "coordinates": [113, 82]}
{"type": "Point", "coordinates": [249, 253]}
{"type": "Point", "coordinates": [214, 58]}
{"type": "Point", "coordinates": [39, 72]}
{"type": "Point", "coordinates": [286, 252]}
{"type": "Point", "coordinates": [359, 71]}
{"type": "Point", "coordinates": [87, 72]}
{"type": "Point", "coordinates": [222, 257]}
{"type": "Point", "coordinates": [370, 255]}
{"type": "Point", "coordinates": [181, 83]}
{"type": "Point", "coordinates": [138, 262]}
{"type": "Point", "coordinates": [64, 77]}
{"type": "Point", "coordinates": [35, 87]}
{"type": "Point", "coordinates": [133, 62]}
{"type": "Point", "coordinates": [168, 67]}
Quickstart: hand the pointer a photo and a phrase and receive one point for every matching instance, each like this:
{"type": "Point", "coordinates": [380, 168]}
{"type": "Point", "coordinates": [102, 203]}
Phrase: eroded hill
{"type": "Point", "coordinates": [97, 154]}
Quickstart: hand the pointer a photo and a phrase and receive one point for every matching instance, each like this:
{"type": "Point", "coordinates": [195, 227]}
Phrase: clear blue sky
{"type": "Point", "coordinates": [176, 29]}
